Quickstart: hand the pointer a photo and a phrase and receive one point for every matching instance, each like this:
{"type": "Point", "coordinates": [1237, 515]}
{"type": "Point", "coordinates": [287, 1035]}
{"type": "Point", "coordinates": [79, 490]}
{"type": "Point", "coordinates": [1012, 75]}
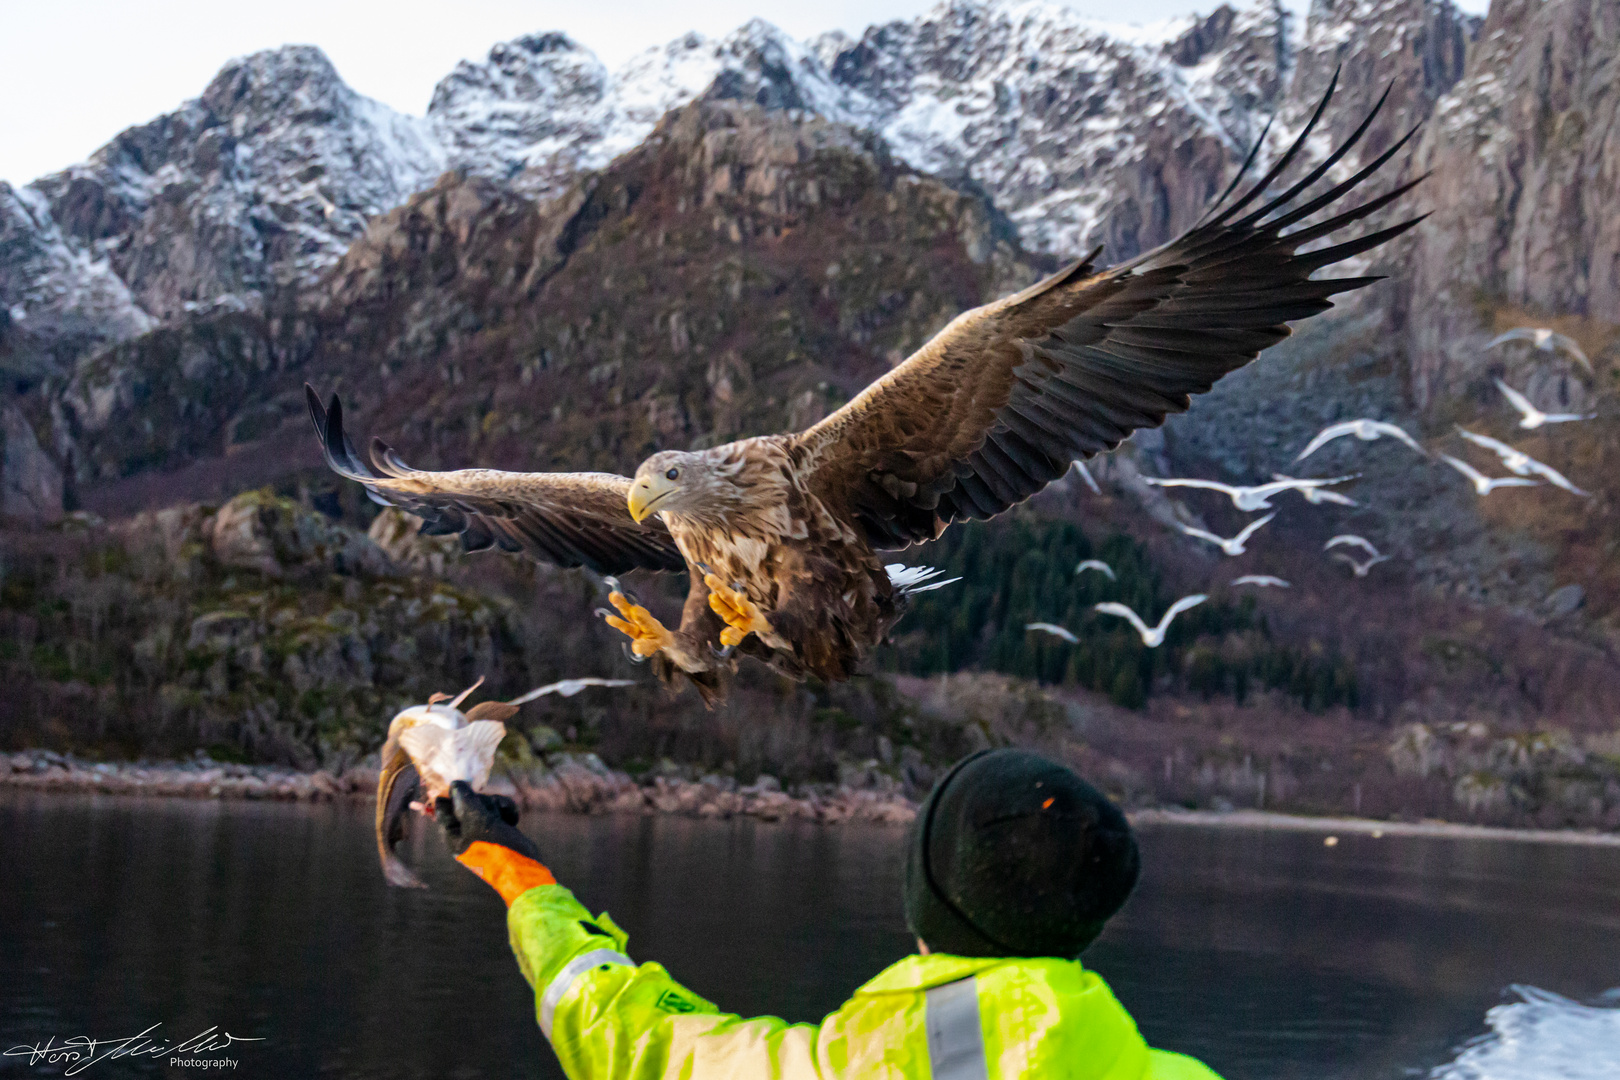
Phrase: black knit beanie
{"type": "Point", "coordinates": [1014, 855]}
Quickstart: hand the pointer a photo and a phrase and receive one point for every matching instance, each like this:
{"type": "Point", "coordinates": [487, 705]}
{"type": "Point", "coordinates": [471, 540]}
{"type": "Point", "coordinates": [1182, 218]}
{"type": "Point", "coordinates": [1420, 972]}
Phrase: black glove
{"type": "Point", "coordinates": [468, 818]}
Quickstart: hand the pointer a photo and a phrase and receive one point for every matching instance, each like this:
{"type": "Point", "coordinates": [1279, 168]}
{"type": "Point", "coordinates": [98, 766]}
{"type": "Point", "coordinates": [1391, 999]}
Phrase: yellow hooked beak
{"type": "Point", "coordinates": [646, 493]}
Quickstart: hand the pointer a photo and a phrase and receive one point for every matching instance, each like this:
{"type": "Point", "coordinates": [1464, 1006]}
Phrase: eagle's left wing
{"type": "Point", "coordinates": [570, 519]}
{"type": "Point", "coordinates": [1005, 398]}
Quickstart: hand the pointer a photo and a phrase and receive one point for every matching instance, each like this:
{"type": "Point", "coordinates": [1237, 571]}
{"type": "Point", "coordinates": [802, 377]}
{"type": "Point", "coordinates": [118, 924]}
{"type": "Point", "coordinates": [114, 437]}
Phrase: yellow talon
{"type": "Point", "coordinates": [647, 635]}
{"type": "Point", "coordinates": [741, 616]}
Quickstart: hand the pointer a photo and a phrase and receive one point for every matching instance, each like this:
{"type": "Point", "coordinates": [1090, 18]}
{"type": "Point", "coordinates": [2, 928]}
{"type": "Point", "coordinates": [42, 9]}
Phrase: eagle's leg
{"type": "Point", "coordinates": [647, 635]}
{"type": "Point", "coordinates": [741, 616]}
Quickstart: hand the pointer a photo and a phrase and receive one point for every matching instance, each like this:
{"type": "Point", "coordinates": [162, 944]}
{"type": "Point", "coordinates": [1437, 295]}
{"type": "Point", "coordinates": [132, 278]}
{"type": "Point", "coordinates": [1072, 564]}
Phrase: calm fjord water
{"type": "Point", "coordinates": [1265, 953]}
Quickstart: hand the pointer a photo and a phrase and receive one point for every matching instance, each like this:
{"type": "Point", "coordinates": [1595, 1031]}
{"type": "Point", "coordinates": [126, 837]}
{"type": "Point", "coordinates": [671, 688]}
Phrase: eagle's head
{"type": "Point", "coordinates": [690, 484]}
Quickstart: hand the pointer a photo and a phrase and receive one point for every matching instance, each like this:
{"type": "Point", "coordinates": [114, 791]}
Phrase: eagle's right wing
{"type": "Point", "coordinates": [570, 519]}
{"type": "Point", "coordinates": [1003, 400]}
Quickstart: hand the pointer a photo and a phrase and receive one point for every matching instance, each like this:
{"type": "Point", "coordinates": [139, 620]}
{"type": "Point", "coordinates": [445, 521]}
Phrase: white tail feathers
{"type": "Point", "coordinates": [463, 754]}
{"type": "Point", "coordinates": [909, 579]}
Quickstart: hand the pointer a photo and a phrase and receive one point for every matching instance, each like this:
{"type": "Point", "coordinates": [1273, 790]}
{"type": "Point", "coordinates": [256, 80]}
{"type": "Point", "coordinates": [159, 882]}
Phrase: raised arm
{"type": "Point", "coordinates": [607, 1017]}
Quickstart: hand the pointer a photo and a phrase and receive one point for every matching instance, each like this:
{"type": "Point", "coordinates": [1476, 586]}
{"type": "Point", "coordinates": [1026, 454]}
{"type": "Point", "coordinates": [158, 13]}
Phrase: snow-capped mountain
{"type": "Point", "coordinates": [1055, 116]}
{"type": "Point", "coordinates": [1080, 133]}
{"type": "Point", "coordinates": [541, 108]}
{"type": "Point", "coordinates": [250, 188]}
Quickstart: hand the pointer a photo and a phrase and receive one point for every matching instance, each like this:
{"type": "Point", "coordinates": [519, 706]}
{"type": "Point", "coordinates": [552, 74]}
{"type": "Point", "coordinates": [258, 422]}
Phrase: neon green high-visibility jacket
{"type": "Point", "coordinates": [936, 1016]}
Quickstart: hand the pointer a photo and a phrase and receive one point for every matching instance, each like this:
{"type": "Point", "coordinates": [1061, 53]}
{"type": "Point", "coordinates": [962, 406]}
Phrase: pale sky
{"type": "Point", "coordinates": [74, 73]}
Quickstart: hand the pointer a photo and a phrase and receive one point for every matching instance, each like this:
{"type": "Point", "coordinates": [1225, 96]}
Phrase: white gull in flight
{"type": "Point", "coordinates": [1548, 341]}
{"type": "Point", "coordinates": [1248, 499]}
{"type": "Point", "coordinates": [1234, 546]}
{"type": "Point", "coordinates": [1152, 636]}
{"type": "Point", "coordinates": [1483, 484]}
{"type": "Point", "coordinates": [1353, 541]}
{"type": "Point", "coordinates": [1316, 496]}
{"type": "Point", "coordinates": [1053, 629]}
{"type": "Point", "coordinates": [1360, 568]}
{"type": "Point", "coordinates": [1532, 417]}
{"type": "Point", "coordinates": [1363, 429]}
{"type": "Point", "coordinates": [1097, 565]}
{"type": "Point", "coordinates": [1521, 463]}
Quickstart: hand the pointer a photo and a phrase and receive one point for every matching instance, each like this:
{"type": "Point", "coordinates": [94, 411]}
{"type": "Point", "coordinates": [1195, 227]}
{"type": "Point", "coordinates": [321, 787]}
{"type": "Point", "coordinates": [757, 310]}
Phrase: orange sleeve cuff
{"type": "Point", "coordinates": [511, 874]}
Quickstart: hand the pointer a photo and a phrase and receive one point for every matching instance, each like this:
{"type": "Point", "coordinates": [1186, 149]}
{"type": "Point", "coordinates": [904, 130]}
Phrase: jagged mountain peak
{"type": "Point", "coordinates": [274, 85]}
{"type": "Point", "coordinates": [541, 108]}
{"type": "Point", "coordinates": [251, 188]}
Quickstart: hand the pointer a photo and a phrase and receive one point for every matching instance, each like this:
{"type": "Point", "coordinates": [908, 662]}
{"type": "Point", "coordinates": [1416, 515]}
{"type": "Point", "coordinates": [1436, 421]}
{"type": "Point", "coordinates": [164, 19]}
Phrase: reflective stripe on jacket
{"type": "Point", "coordinates": [945, 1017]}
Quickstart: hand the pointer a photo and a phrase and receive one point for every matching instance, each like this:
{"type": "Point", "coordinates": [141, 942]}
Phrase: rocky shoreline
{"type": "Point", "coordinates": [581, 783]}
{"type": "Point", "coordinates": [577, 783]}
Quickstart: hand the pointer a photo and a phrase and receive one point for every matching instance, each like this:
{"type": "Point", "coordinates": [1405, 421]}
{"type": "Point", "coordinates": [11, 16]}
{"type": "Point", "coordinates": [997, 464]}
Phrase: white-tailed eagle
{"type": "Point", "coordinates": [781, 533]}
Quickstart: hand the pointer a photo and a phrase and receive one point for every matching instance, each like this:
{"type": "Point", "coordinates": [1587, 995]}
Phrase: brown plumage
{"type": "Point", "coordinates": [783, 531]}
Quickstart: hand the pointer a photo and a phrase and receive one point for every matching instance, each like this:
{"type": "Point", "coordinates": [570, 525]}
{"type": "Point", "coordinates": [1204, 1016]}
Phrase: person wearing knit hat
{"type": "Point", "coordinates": [1014, 855]}
{"type": "Point", "coordinates": [1013, 866]}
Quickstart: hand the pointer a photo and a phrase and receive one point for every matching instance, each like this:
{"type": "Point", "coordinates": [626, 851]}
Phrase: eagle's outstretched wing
{"type": "Point", "coordinates": [1003, 399]}
{"type": "Point", "coordinates": [570, 519]}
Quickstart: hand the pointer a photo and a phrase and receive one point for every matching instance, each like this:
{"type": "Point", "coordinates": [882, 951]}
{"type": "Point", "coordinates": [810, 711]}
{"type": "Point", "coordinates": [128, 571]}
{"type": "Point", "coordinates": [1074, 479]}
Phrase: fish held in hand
{"type": "Point", "coordinates": [432, 746]}
{"type": "Point", "coordinates": [429, 747]}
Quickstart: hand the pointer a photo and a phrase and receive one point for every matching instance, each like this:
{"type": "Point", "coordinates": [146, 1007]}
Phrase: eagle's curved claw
{"type": "Point", "coordinates": [629, 654]}
{"type": "Point", "coordinates": [614, 587]}
{"type": "Point", "coordinates": [731, 603]}
{"type": "Point", "coordinates": [722, 654]}
{"type": "Point", "coordinates": [647, 635]}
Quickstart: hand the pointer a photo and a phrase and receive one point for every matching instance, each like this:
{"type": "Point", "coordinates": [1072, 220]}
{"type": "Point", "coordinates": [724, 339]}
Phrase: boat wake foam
{"type": "Point", "coordinates": [1542, 1036]}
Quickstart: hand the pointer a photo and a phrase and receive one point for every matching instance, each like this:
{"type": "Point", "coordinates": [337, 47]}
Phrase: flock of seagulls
{"type": "Point", "coordinates": [1526, 472]}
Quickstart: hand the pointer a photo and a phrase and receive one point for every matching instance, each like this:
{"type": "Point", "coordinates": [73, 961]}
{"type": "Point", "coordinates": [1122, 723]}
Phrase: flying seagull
{"type": "Point", "coordinates": [1533, 417]}
{"type": "Point", "coordinates": [1097, 565]}
{"type": "Point", "coordinates": [1542, 338]}
{"type": "Point", "coordinates": [780, 534]}
{"type": "Point", "coordinates": [1360, 568]}
{"type": "Point", "coordinates": [1153, 636]}
{"type": "Point", "coordinates": [568, 688]}
{"type": "Point", "coordinates": [1085, 474]}
{"type": "Point", "coordinates": [1233, 546]}
{"type": "Point", "coordinates": [1363, 429]}
{"type": "Point", "coordinates": [1316, 496]}
{"type": "Point", "coordinates": [1053, 629]}
{"type": "Point", "coordinates": [1483, 484]}
{"type": "Point", "coordinates": [1263, 580]}
{"type": "Point", "coordinates": [1352, 540]}
{"type": "Point", "coordinates": [1250, 498]}
{"type": "Point", "coordinates": [1520, 463]}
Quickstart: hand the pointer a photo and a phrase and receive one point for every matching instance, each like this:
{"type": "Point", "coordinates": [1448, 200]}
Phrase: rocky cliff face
{"type": "Point", "coordinates": [741, 269]}
{"type": "Point", "coordinates": [1526, 185]}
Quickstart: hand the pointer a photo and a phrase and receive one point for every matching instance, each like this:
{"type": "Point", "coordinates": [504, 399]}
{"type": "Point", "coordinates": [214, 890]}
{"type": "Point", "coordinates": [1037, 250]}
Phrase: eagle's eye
{"type": "Point", "coordinates": [673, 474]}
